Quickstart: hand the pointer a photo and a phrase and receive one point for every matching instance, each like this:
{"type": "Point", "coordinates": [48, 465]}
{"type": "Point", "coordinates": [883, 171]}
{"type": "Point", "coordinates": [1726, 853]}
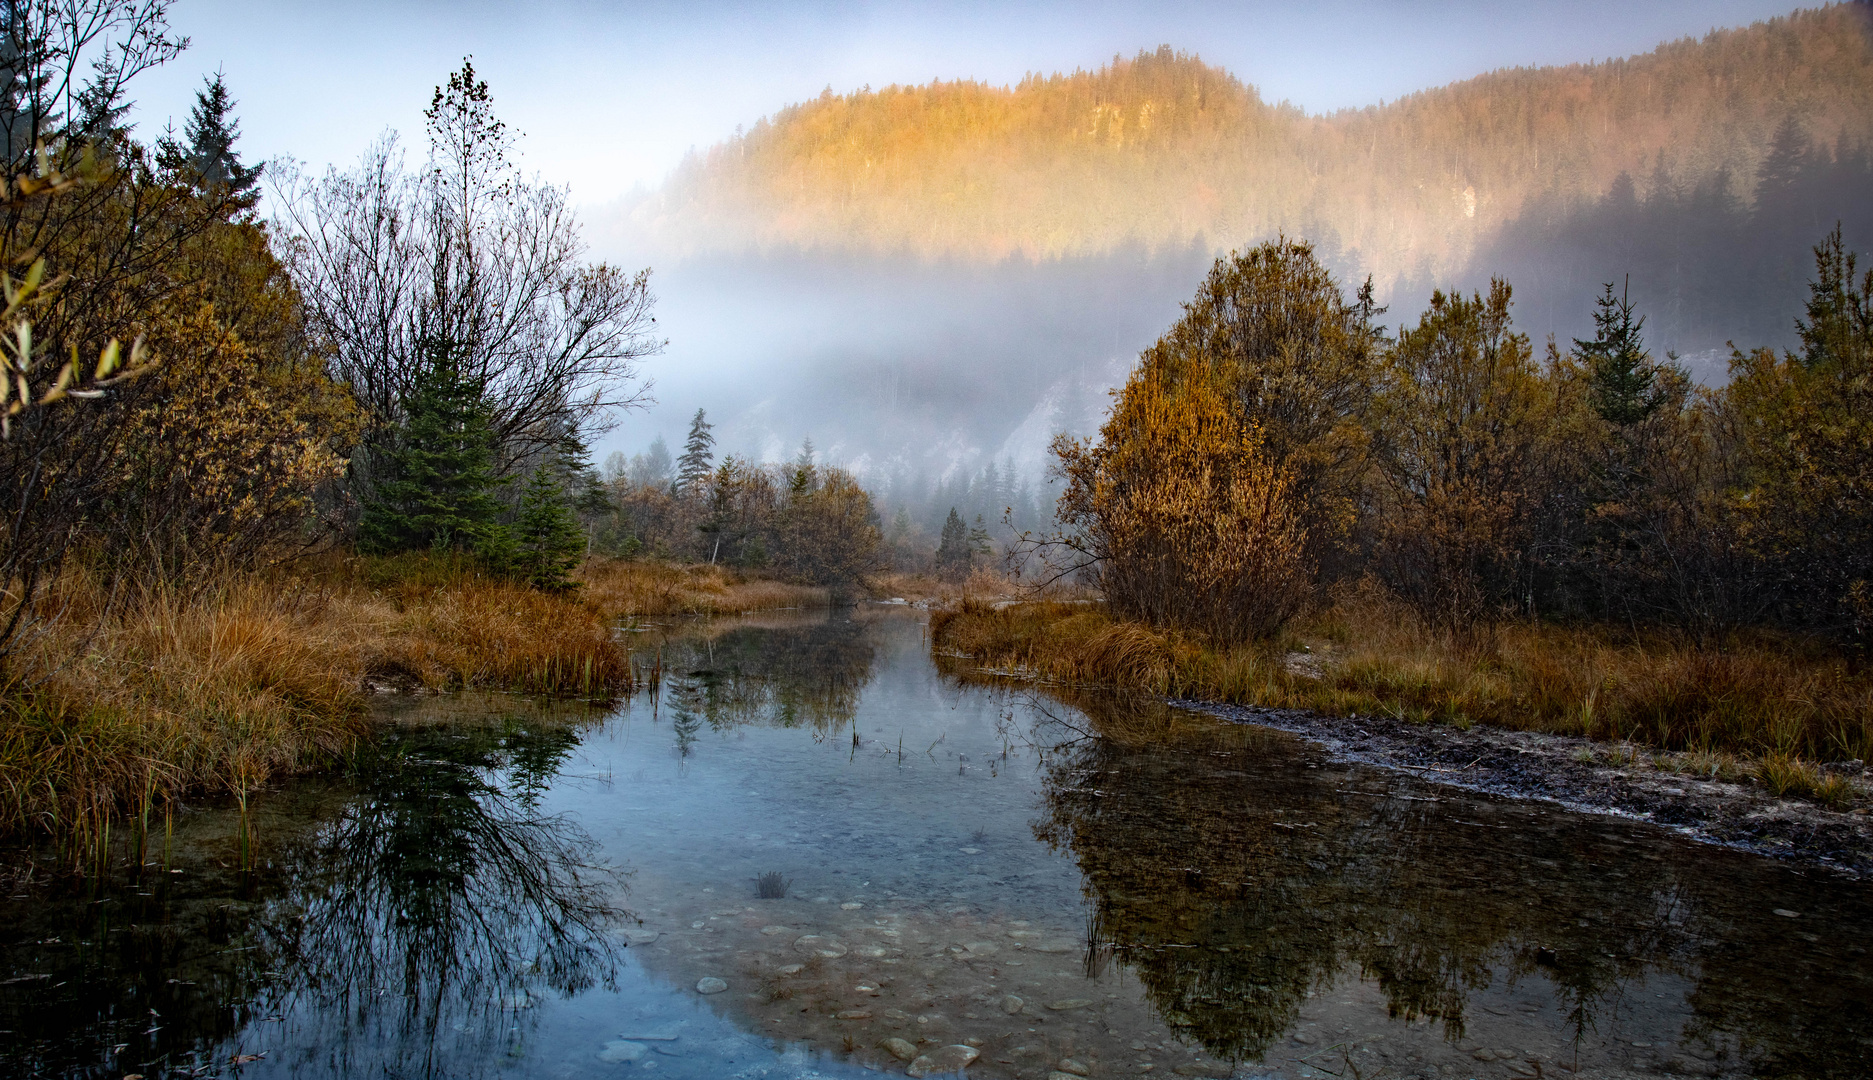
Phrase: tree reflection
{"type": "Point", "coordinates": [799, 676]}
{"type": "Point", "coordinates": [440, 901]}
{"type": "Point", "coordinates": [1233, 882]}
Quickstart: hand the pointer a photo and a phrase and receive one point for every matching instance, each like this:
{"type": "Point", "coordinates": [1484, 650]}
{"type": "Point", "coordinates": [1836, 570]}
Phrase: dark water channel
{"type": "Point", "coordinates": [505, 887]}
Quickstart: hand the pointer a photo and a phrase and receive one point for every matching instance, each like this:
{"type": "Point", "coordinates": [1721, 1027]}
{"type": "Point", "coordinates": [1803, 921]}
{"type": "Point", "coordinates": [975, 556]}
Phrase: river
{"type": "Point", "coordinates": [1083, 884]}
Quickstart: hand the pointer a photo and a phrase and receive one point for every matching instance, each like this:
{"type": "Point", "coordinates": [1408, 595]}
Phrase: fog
{"type": "Point", "coordinates": [895, 366]}
{"type": "Point", "coordinates": [911, 371]}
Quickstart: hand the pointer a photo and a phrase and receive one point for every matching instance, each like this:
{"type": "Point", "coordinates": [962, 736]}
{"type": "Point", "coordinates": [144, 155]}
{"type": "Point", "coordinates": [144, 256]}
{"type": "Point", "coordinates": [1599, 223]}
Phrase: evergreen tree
{"type": "Point", "coordinates": [1839, 327]}
{"type": "Point", "coordinates": [952, 555]}
{"type": "Point", "coordinates": [698, 457]}
{"type": "Point", "coordinates": [208, 161]}
{"type": "Point", "coordinates": [431, 487]}
{"type": "Point", "coordinates": [546, 535]}
{"type": "Point", "coordinates": [1622, 379]}
{"type": "Point", "coordinates": [803, 477]}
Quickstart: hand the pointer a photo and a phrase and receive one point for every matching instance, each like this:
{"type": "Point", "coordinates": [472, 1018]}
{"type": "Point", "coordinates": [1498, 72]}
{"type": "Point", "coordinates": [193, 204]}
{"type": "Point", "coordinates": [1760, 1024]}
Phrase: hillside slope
{"type": "Point", "coordinates": [1164, 150]}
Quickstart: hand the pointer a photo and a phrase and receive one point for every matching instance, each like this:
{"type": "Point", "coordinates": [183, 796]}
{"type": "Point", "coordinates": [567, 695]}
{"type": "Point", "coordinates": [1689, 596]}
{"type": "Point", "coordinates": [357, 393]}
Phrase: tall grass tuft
{"type": "Point", "coordinates": [120, 708]}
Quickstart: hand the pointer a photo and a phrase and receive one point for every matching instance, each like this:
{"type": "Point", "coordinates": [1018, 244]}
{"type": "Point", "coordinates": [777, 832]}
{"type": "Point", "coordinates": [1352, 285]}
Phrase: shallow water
{"type": "Point", "coordinates": [503, 887]}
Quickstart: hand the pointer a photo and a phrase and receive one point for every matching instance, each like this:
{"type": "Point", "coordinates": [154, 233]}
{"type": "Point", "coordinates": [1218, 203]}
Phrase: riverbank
{"type": "Point", "coordinates": [125, 704]}
{"type": "Point", "coordinates": [1499, 721]}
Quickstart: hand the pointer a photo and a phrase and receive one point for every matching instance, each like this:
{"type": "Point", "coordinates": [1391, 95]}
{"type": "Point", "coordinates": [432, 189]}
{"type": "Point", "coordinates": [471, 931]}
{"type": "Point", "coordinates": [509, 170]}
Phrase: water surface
{"type": "Point", "coordinates": [506, 887]}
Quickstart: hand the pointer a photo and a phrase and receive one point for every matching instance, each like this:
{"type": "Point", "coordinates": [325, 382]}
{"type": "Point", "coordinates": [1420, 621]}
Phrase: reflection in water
{"type": "Point", "coordinates": [810, 675]}
{"type": "Point", "coordinates": [1236, 885]}
{"type": "Point", "coordinates": [397, 926]}
{"type": "Point", "coordinates": [439, 902]}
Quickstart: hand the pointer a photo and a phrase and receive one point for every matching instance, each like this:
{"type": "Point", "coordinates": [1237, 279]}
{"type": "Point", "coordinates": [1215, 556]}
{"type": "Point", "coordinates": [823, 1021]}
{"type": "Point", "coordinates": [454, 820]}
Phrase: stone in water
{"type": "Point", "coordinates": [900, 1049]}
{"type": "Point", "coordinates": [619, 1051]}
{"type": "Point", "coordinates": [816, 945]}
{"type": "Point", "coordinates": [710, 985]}
{"type": "Point", "coordinates": [947, 1059]}
{"type": "Point", "coordinates": [1070, 1003]}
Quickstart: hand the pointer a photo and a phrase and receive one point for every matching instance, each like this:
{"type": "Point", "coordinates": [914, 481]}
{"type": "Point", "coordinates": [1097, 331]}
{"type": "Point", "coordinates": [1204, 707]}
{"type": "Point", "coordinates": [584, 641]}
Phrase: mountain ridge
{"type": "Point", "coordinates": [1164, 150]}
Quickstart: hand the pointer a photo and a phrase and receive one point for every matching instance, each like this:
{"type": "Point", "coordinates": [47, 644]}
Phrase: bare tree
{"type": "Point", "coordinates": [471, 249]}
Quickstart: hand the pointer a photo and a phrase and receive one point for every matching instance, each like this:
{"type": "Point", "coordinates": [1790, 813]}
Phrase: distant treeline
{"type": "Point", "coordinates": [1705, 263]}
{"type": "Point", "coordinates": [1278, 443]}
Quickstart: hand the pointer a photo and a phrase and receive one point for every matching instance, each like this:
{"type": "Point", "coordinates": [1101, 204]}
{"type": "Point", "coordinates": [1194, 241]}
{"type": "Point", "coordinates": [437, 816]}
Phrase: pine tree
{"type": "Point", "coordinates": [208, 162]}
{"type": "Point", "coordinates": [696, 464]}
{"type": "Point", "coordinates": [431, 487]}
{"type": "Point", "coordinates": [1621, 376]}
{"type": "Point", "coordinates": [952, 555]}
{"type": "Point", "coordinates": [1839, 327]}
{"type": "Point", "coordinates": [547, 539]}
{"type": "Point", "coordinates": [803, 477]}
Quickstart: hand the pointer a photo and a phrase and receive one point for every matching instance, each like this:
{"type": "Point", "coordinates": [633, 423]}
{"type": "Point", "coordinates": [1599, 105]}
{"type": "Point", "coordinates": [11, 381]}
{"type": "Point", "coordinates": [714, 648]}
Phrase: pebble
{"type": "Point", "coordinates": [854, 1014]}
{"type": "Point", "coordinates": [661, 1036]}
{"type": "Point", "coordinates": [1077, 1068]}
{"type": "Point", "coordinates": [946, 1059]}
{"type": "Point", "coordinates": [1787, 914]}
{"type": "Point", "coordinates": [1069, 1003]}
{"type": "Point", "coordinates": [850, 905]}
{"type": "Point", "coordinates": [982, 948]}
{"type": "Point", "coordinates": [900, 1049]}
{"type": "Point", "coordinates": [772, 930]}
{"type": "Point", "coordinates": [1058, 1075]}
{"type": "Point", "coordinates": [710, 985]}
{"type": "Point", "coordinates": [621, 1050]}
{"type": "Point", "coordinates": [793, 969]}
{"type": "Point", "coordinates": [816, 945]}
{"type": "Point", "coordinates": [1012, 1004]}
{"type": "Point", "coordinates": [1483, 1053]}
{"type": "Point", "coordinates": [637, 935]}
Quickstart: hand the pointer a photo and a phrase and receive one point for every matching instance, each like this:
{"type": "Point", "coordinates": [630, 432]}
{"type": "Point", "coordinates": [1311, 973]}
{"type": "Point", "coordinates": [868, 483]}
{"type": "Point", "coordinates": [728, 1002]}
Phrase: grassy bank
{"type": "Point", "coordinates": [1776, 700]}
{"type": "Point", "coordinates": [126, 704]}
{"type": "Point", "coordinates": [624, 588]}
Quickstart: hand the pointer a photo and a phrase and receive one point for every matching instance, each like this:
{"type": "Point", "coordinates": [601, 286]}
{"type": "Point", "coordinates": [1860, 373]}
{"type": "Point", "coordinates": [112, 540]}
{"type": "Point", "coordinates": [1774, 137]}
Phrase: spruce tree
{"type": "Point", "coordinates": [1839, 326]}
{"type": "Point", "coordinates": [547, 539]}
{"type": "Point", "coordinates": [431, 483]}
{"type": "Point", "coordinates": [208, 161]}
{"type": "Point", "coordinates": [695, 465]}
{"type": "Point", "coordinates": [952, 555]}
{"type": "Point", "coordinates": [1621, 376]}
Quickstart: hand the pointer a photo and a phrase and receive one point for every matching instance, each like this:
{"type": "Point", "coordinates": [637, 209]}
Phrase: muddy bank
{"type": "Point", "coordinates": [1583, 775]}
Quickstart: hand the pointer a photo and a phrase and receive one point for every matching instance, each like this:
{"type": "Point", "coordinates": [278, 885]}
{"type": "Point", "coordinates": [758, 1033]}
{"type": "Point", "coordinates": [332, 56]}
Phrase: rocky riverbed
{"type": "Point", "coordinates": [1682, 792]}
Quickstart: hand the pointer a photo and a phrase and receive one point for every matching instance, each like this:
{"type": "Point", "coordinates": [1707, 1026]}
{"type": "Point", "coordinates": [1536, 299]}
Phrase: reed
{"type": "Point", "coordinates": [627, 587]}
{"type": "Point", "coordinates": [120, 709]}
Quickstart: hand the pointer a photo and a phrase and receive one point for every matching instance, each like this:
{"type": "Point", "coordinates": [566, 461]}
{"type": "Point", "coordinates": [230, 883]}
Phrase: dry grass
{"type": "Point", "coordinates": [623, 588]}
{"type": "Point", "coordinates": [1366, 655]}
{"type": "Point", "coordinates": [217, 690]}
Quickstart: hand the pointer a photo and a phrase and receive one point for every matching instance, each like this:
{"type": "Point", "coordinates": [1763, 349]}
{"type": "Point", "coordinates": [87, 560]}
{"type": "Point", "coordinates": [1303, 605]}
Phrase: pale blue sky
{"type": "Point", "coordinates": [611, 94]}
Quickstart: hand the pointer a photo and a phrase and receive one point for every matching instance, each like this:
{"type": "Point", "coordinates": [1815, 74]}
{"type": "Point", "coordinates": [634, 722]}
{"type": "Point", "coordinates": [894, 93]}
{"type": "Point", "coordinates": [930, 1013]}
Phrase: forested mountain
{"type": "Point", "coordinates": [1163, 150]}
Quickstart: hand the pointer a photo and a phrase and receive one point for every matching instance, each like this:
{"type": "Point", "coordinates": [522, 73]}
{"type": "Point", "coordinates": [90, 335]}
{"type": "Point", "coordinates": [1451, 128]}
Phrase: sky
{"type": "Point", "coordinates": [610, 95]}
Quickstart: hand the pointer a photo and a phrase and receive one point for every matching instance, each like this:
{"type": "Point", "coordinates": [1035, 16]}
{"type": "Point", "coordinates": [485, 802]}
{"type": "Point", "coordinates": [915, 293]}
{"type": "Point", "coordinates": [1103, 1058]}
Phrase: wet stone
{"type": "Point", "coordinates": [854, 1014]}
{"type": "Point", "coordinates": [817, 945]}
{"type": "Point", "coordinates": [1069, 1004]}
{"type": "Point", "coordinates": [1012, 1004]}
{"type": "Point", "coordinates": [947, 1059]}
{"type": "Point", "coordinates": [710, 985]}
{"type": "Point", "coordinates": [900, 1049]}
{"type": "Point", "coordinates": [620, 1051]}
{"type": "Point", "coordinates": [1077, 1068]}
